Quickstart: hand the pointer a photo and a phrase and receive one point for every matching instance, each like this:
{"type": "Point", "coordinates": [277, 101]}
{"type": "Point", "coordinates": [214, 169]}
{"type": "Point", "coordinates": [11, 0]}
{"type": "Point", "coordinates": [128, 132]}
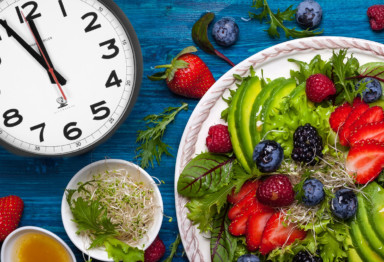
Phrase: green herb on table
{"type": "Point", "coordinates": [276, 20]}
{"type": "Point", "coordinates": [174, 247]}
{"type": "Point", "coordinates": [151, 145]}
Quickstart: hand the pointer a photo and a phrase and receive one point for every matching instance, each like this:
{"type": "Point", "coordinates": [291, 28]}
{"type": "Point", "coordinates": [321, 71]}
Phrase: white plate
{"type": "Point", "coordinates": [86, 174]}
{"type": "Point", "coordinates": [274, 63]}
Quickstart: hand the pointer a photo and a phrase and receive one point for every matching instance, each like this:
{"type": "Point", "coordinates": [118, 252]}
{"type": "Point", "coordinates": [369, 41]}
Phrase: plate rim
{"type": "Point", "coordinates": [202, 110]}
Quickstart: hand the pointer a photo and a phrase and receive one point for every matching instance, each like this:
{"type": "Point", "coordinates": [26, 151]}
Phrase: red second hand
{"type": "Point", "coordinates": [50, 69]}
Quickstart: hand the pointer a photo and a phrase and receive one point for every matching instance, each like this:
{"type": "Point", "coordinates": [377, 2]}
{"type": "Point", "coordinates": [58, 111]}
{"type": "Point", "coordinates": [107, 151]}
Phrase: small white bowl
{"type": "Point", "coordinates": [7, 251]}
{"type": "Point", "coordinates": [86, 174]}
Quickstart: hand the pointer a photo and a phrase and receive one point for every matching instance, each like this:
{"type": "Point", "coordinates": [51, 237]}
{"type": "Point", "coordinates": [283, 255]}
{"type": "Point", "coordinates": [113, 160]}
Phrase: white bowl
{"type": "Point", "coordinates": [86, 174]}
{"type": "Point", "coordinates": [11, 240]}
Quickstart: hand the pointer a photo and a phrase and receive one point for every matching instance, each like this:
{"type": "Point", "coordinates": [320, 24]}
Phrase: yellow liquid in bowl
{"type": "Point", "coordinates": [37, 247]}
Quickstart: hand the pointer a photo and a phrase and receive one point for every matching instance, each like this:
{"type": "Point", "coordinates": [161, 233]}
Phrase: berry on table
{"type": "Point", "coordinates": [218, 139]}
{"type": "Point", "coordinates": [313, 192]}
{"type": "Point", "coordinates": [305, 256]}
{"type": "Point", "coordinates": [376, 17]}
{"type": "Point", "coordinates": [155, 251]}
{"type": "Point", "coordinates": [319, 87]}
{"type": "Point", "coordinates": [225, 31]}
{"type": "Point", "coordinates": [268, 156]}
{"type": "Point", "coordinates": [344, 204]}
{"type": "Point", "coordinates": [307, 144]}
{"type": "Point", "coordinates": [373, 90]}
{"type": "Point", "coordinates": [11, 209]}
{"type": "Point", "coordinates": [248, 258]}
{"type": "Point", "coordinates": [309, 14]}
{"type": "Point", "coordinates": [276, 191]}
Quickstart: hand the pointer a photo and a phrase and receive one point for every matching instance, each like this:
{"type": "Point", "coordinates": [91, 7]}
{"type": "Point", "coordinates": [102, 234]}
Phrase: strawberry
{"type": "Point", "coordinates": [277, 234]}
{"type": "Point", "coordinates": [365, 160]}
{"type": "Point", "coordinates": [255, 227]}
{"type": "Point", "coordinates": [155, 251]}
{"type": "Point", "coordinates": [355, 114]}
{"type": "Point", "coordinates": [376, 17]}
{"type": "Point", "coordinates": [187, 75]}
{"type": "Point", "coordinates": [246, 201]}
{"type": "Point", "coordinates": [369, 131]}
{"type": "Point", "coordinates": [247, 187]}
{"type": "Point", "coordinates": [218, 139]}
{"type": "Point", "coordinates": [356, 101]}
{"type": "Point", "coordinates": [372, 115]}
{"type": "Point", "coordinates": [338, 117]}
{"type": "Point", "coordinates": [11, 209]}
{"type": "Point", "coordinates": [319, 87]}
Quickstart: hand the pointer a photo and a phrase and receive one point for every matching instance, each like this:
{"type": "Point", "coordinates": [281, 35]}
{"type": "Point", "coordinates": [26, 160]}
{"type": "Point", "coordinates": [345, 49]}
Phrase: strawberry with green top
{"type": "Point", "coordinates": [187, 75]}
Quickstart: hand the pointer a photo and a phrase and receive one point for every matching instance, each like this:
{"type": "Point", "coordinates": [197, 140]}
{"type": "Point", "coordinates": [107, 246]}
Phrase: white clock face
{"type": "Point", "coordinates": [94, 60]}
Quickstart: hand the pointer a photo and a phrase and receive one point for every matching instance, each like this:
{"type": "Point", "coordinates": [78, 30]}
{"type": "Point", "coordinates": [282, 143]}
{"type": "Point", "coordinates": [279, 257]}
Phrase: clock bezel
{"type": "Point", "coordinates": [137, 79]}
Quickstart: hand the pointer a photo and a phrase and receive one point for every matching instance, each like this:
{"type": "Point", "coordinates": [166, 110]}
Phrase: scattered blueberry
{"type": "Point", "coordinates": [248, 258]}
{"type": "Point", "coordinates": [268, 156]}
{"type": "Point", "coordinates": [305, 256]}
{"type": "Point", "coordinates": [313, 192]}
{"type": "Point", "coordinates": [344, 204]}
{"type": "Point", "coordinates": [309, 14]}
{"type": "Point", "coordinates": [225, 31]}
{"type": "Point", "coordinates": [373, 90]}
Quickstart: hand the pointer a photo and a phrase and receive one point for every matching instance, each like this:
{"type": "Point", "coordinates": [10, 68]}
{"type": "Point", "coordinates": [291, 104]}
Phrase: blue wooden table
{"type": "Point", "coordinates": [163, 28]}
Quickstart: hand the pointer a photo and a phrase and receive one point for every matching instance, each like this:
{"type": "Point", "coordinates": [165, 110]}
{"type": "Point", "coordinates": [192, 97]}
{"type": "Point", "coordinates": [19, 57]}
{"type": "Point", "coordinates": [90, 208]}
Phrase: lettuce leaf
{"type": "Point", "coordinates": [120, 251]}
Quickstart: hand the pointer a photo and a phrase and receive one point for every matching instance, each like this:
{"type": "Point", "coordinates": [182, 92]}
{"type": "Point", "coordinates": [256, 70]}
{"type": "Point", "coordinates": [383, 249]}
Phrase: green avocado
{"type": "Point", "coordinates": [273, 103]}
{"type": "Point", "coordinates": [375, 208]}
{"type": "Point", "coordinates": [353, 256]}
{"type": "Point", "coordinates": [254, 121]}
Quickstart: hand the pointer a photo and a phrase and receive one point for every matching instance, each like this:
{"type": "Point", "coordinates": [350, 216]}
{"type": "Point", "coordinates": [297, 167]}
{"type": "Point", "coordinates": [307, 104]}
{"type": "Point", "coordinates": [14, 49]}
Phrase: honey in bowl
{"type": "Point", "coordinates": [38, 247]}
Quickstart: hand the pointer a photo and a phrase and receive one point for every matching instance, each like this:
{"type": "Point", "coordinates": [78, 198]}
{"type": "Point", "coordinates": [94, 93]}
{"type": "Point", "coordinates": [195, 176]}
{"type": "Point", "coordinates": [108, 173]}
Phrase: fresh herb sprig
{"type": "Point", "coordinates": [276, 20]}
{"type": "Point", "coordinates": [151, 145]}
{"type": "Point", "coordinates": [174, 247]}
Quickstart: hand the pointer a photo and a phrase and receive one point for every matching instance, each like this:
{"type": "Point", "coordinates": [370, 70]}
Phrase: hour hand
{"type": "Point", "coordinates": [30, 50]}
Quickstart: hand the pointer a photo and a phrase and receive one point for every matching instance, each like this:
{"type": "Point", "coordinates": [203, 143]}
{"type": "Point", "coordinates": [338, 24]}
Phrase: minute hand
{"type": "Point", "coordinates": [30, 50]}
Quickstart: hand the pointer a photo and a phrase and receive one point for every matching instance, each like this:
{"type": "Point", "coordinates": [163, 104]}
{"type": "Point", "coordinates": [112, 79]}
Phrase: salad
{"type": "Point", "coordinates": [303, 181]}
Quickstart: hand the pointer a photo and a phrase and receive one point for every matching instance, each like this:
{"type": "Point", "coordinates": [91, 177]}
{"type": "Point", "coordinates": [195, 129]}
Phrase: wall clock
{"type": "Point", "coordinates": [70, 72]}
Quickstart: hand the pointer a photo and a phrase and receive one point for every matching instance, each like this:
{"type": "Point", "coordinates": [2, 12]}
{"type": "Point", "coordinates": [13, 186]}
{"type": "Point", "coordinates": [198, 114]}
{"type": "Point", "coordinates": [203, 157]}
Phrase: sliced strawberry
{"type": "Point", "coordinates": [357, 101]}
{"type": "Point", "coordinates": [338, 117]}
{"type": "Point", "coordinates": [365, 160]}
{"type": "Point", "coordinates": [244, 203]}
{"type": "Point", "coordinates": [355, 114]}
{"type": "Point", "coordinates": [373, 114]}
{"type": "Point", "coordinates": [276, 234]}
{"type": "Point", "coordinates": [369, 131]}
{"type": "Point", "coordinates": [255, 227]}
{"type": "Point", "coordinates": [247, 187]}
{"type": "Point", "coordinates": [238, 226]}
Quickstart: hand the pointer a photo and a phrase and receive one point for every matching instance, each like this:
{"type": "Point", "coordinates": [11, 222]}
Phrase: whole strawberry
{"type": "Point", "coordinates": [218, 139]}
{"type": "Point", "coordinates": [276, 191]}
{"type": "Point", "coordinates": [376, 17]}
{"type": "Point", "coordinates": [187, 75]}
{"type": "Point", "coordinates": [11, 208]}
{"type": "Point", "coordinates": [155, 251]}
{"type": "Point", "coordinates": [319, 87]}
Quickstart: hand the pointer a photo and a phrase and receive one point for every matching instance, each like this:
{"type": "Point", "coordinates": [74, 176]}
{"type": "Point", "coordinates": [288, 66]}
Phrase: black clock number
{"type": "Point", "coordinates": [12, 118]}
{"type": "Point", "coordinates": [31, 14]}
{"type": "Point", "coordinates": [41, 127]}
{"type": "Point", "coordinates": [71, 132]}
{"type": "Point", "coordinates": [62, 8]}
{"type": "Point", "coordinates": [111, 46]}
{"type": "Point", "coordinates": [98, 108]}
{"type": "Point", "coordinates": [113, 80]}
{"type": "Point", "coordinates": [92, 25]}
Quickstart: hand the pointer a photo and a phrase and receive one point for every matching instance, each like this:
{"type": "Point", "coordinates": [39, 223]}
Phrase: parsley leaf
{"type": "Point", "coordinates": [276, 20]}
{"type": "Point", "coordinates": [151, 145]}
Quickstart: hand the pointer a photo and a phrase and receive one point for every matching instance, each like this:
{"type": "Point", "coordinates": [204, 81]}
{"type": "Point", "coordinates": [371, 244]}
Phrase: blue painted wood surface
{"type": "Point", "coordinates": [163, 28]}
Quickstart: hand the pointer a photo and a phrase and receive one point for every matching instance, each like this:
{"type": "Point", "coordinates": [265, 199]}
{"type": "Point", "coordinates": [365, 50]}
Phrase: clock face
{"type": "Point", "coordinates": [97, 69]}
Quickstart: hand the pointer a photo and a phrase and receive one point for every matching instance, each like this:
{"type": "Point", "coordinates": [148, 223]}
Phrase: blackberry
{"type": "Point", "coordinates": [305, 256]}
{"type": "Point", "coordinates": [307, 144]}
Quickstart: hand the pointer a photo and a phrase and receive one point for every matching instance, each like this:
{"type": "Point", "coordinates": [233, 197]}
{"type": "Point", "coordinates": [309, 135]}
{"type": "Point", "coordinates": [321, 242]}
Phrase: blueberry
{"type": "Point", "coordinates": [309, 14]}
{"type": "Point", "coordinates": [248, 258]}
{"type": "Point", "coordinates": [268, 156]}
{"type": "Point", "coordinates": [344, 204]}
{"type": "Point", "coordinates": [313, 192]}
{"type": "Point", "coordinates": [225, 31]}
{"type": "Point", "coordinates": [373, 90]}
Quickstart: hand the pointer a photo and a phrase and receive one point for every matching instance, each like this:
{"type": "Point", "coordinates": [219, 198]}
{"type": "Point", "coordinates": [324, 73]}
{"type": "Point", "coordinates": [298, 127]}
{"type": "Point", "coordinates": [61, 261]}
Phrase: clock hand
{"type": "Point", "coordinates": [30, 50]}
{"type": "Point", "coordinates": [50, 69]}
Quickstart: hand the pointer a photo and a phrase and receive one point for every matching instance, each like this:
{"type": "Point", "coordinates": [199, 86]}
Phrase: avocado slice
{"type": "Point", "coordinates": [362, 246]}
{"type": "Point", "coordinates": [353, 256]}
{"type": "Point", "coordinates": [273, 103]}
{"type": "Point", "coordinates": [254, 121]}
{"type": "Point", "coordinates": [375, 208]}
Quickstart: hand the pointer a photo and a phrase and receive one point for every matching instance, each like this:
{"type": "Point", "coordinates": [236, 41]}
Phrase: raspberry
{"type": "Point", "coordinates": [276, 191]}
{"type": "Point", "coordinates": [376, 17]}
{"type": "Point", "coordinates": [319, 87]}
{"type": "Point", "coordinates": [155, 251]}
{"type": "Point", "coordinates": [218, 139]}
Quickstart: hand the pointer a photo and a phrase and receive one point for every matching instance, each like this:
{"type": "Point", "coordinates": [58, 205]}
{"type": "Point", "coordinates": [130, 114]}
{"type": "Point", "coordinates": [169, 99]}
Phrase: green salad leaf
{"type": "Point", "coordinates": [120, 251]}
{"type": "Point", "coordinates": [316, 66]}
